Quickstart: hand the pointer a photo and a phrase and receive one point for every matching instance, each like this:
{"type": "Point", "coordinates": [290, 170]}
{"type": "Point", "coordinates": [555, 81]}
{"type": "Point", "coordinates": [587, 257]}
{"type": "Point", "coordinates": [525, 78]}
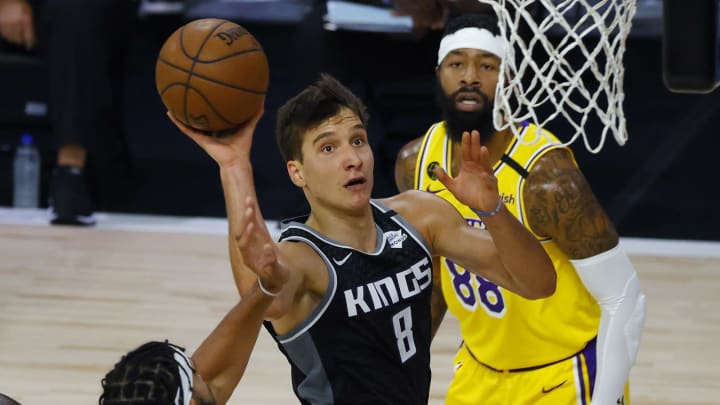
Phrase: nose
{"type": "Point", "coordinates": [470, 76]}
{"type": "Point", "coordinates": [351, 158]}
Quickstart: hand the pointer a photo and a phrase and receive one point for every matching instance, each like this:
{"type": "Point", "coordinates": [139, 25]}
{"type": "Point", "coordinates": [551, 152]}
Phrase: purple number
{"type": "Point", "coordinates": [490, 294]}
{"type": "Point", "coordinates": [487, 290]}
{"type": "Point", "coordinates": [461, 279]}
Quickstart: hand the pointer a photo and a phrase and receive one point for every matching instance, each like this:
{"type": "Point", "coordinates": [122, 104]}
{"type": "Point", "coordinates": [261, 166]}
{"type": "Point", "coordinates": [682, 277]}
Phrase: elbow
{"type": "Point", "coordinates": [548, 287]}
{"type": "Point", "coordinates": [548, 283]}
{"type": "Point", "coordinates": [543, 287]}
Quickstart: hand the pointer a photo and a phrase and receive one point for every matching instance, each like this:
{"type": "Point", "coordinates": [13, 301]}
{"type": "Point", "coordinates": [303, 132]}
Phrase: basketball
{"type": "Point", "coordinates": [212, 74]}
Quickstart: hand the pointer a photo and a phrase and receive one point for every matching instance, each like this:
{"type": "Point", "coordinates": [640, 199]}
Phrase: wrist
{"type": "Point", "coordinates": [235, 165]}
{"type": "Point", "coordinates": [269, 290]}
{"type": "Point", "coordinates": [487, 214]}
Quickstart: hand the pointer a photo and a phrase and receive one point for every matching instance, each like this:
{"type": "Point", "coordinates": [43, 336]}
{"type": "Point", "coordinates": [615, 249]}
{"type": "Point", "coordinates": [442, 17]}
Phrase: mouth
{"type": "Point", "coordinates": [355, 183]}
{"type": "Point", "coordinates": [469, 101]}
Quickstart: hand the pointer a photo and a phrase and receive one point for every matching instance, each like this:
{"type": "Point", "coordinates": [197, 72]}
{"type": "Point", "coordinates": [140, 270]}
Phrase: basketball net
{"type": "Point", "coordinates": [565, 65]}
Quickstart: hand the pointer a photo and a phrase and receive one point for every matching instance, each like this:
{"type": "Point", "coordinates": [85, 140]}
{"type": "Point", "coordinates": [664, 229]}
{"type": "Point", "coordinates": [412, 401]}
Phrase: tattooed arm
{"type": "Point", "coordinates": [405, 165]}
{"type": "Point", "coordinates": [561, 205]}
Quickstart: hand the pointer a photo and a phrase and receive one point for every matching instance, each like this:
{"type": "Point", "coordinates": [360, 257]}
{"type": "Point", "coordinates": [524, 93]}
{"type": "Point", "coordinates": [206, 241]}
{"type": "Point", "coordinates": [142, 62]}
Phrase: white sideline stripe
{"type": "Point", "coordinates": [670, 247]}
{"type": "Point", "coordinates": [132, 222]}
{"type": "Point", "coordinates": [218, 226]}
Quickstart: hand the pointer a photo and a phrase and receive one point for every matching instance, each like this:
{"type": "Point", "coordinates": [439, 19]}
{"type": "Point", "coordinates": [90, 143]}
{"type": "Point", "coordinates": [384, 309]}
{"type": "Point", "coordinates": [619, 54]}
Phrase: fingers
{"type": "Point", "coordinates": [252, 232]}
{"type": "Point", "coordinates": [485, 159]}
{"type": "Point", "coordinates": [244, 128]}
{"type": "Point", "coordinates": [182, 127]}
{"type": "Point", "coordinates": [28, 35]}
{"type": "Point", "coordinates": [269, 258]}
{"type": "Point", "coordinates": [466, 147]}
{"type": "Point", "coordinates": [479, 153]}
{"type": "Point", "coordinates": [475, 148]}
{"type": "Point", "coordinates": [193, 133]}
{"type": "Point", "coordinates": [246, 226]}
{"type": "Point", "coordinates": [473, 151]}
{"type": "Point", "coordinates": [443, 177]}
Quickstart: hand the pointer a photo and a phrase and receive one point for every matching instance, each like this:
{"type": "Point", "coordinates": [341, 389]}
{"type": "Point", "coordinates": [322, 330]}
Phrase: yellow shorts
{"type": "Point", "coordinates": [568, 382]}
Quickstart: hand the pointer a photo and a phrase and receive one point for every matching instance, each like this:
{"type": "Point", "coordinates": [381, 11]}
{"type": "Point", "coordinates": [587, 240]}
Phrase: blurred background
{"type": "Point", "coordinates": [658, 185]}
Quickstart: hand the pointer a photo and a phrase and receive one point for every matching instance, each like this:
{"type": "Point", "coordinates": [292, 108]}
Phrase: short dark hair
{"type": "Point", "coordinates": [148, 375]}
{"type": "Point", "coordinates": [317, 102]}
{"type": "Point", "coordinates": [486, 21]}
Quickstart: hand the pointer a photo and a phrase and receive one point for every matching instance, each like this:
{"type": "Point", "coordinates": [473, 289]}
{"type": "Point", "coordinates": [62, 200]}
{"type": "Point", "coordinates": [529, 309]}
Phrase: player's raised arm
{"type": "Point", "coordinates": [232, 154]}
{"type": "Point", "coordinates": [518, 260]}
{"type": "Point", "coordinates": [251, 248]}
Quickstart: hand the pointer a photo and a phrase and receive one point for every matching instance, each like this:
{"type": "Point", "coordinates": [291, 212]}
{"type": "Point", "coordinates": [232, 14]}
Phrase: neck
{"type": "Point", "coordinates": [356, 230]}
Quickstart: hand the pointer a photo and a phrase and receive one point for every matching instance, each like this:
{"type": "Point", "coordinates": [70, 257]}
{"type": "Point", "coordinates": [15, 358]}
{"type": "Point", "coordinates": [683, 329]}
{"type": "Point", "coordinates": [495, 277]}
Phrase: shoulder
{"type": "Point", "coordinates": [300, 255]}
{"type": "Point", "coordinates": [405, 164]}
{"type": "Point", "coordinates": [411, 149]}
{"type": "Point", "coordinates": [555, 161]}
{"type": "Point", "coordinates": [307, 267]}
{"type": "Point", "coordinates": [555, 171]}
{"type": "Point", "coordinates": [561, 204]}
{"type": "Point", "coordinates": [422, 209]}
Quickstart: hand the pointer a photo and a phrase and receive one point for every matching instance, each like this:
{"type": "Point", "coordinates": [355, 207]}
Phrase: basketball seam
{"type": "Point", "coordinates": [187, 84]}
{"type": "Point", "coordinates": [194, 59]}
{"type": "Point", "coordinates": [207, 101]}
{"type": "Point", "coordinates": [231, 55]}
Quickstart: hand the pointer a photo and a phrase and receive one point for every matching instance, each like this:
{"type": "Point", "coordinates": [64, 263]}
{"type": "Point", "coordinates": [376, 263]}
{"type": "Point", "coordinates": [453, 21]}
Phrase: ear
{"type": "Point", "coordinates": [294, 169]}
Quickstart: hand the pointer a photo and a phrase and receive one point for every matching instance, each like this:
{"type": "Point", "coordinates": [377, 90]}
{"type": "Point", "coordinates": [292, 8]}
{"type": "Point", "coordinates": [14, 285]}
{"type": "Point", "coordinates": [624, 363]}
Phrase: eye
{"type": "Point", "coordinates": [488, 66]}
{"type": "Point", "coordinates": [358, 142]}
{"type": "Point", "coordinates": [327, 148]}
{"type": "Point", "coordinates": [455, 65]}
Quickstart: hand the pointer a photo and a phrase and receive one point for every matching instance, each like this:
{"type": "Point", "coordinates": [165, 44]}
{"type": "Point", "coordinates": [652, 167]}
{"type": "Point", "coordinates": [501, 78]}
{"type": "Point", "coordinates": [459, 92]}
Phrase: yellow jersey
{"type": "Point", "coordinates": [502, 329]}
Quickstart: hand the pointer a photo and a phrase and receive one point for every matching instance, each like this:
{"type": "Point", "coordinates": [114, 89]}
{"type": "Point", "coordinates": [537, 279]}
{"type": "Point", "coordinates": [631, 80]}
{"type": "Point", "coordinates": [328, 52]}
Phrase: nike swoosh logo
{"type": "Point", "coordinates": [343, 260]}
{"type": "Point", "coordinates": [434, 191]}
{"type": "Point", "coordinates": [546, 390]}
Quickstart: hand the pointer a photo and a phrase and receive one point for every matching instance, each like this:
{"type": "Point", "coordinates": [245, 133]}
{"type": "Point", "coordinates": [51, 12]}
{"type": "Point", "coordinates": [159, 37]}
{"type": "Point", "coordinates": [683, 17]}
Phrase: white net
{"type": "Point", "coordinates": [564, 63]}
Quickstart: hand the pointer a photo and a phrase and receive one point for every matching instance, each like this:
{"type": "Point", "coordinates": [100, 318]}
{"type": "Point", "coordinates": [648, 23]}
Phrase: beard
{"type": "Point", "coordinates": [458, 122]}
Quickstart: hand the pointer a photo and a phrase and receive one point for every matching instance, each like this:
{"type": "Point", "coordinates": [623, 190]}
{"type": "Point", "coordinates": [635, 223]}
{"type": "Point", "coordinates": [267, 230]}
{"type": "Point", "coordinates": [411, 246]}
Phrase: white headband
{"type": "Point", "coordinates": [474, 38]}
{"type": "Point", "coordinates": [184, 392]}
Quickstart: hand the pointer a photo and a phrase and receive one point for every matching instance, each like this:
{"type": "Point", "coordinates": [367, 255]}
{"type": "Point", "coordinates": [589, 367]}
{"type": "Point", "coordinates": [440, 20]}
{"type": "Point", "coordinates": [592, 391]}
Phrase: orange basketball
{"type": "Point", "coordinates": [212, 74]}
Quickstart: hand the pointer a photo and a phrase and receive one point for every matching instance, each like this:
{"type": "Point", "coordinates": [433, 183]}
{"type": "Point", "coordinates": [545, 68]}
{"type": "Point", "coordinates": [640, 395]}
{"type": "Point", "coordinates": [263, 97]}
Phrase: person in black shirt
{"type": "Point", "coordinates": [352, 280]}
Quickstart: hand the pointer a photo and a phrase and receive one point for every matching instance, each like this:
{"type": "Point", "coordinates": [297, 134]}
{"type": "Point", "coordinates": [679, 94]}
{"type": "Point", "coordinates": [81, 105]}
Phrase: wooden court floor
{"type": "Point", "coordinates": [72, 301]}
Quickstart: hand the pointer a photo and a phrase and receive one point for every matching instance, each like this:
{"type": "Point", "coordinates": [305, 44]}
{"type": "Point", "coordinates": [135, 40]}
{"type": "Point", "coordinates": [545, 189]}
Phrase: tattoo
{"type": "Point", "coordinates": [405, 165]}
{"type": "Point", "coordinates": [560, 204]}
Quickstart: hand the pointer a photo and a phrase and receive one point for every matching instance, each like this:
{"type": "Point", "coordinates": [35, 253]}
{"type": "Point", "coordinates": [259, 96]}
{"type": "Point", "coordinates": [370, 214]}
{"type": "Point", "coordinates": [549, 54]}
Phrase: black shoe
{"type": "Point", "coordinates": [69, 199]}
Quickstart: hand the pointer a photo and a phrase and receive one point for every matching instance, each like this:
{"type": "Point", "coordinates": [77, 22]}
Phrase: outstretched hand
{"type": "Point", "coordinates": [258, 250]}
{"type": "Point", "coordinates": [232, 146]}
{"type": "Point", "coordinates": [476, 184]}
